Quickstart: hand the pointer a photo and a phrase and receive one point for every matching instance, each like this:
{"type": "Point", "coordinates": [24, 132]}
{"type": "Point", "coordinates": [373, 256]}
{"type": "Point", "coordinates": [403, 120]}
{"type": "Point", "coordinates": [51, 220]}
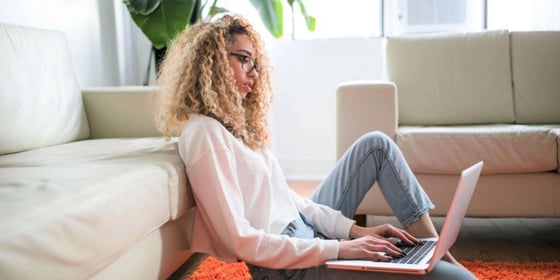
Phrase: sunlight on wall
{"type": "Point", "coordinates": [81, 22]}
{"type": "Point", "coordinates": [303, 116]}
{"type": "Point", "coordinates": [520, 15]}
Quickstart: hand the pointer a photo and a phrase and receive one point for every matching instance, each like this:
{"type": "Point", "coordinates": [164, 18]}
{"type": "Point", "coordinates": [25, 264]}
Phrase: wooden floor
{"type": "Point", "coordinates": [503, 239]}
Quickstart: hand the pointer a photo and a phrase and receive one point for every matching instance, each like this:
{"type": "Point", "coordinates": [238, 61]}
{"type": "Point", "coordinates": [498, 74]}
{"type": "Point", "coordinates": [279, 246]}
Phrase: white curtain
{"type": "Point", "coordinates": [133, 49]}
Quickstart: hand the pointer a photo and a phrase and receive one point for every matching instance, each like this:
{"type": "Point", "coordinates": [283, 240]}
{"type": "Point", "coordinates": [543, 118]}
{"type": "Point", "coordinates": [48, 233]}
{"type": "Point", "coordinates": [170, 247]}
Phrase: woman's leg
{"type": "Point", "coordinates": [374, 157]}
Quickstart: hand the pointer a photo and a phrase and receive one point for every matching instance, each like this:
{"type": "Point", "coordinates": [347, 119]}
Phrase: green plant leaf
{"type": "Point", "coordinates": [214, 10]}
{"type": "Point", "coordinates": [309, 20]}
{"type": "Point", "coordinates": [165, 22]}
{"type": "Point", "coordinates": [143, 7]}
{"type": "Point", "coordinates": [271, 14]}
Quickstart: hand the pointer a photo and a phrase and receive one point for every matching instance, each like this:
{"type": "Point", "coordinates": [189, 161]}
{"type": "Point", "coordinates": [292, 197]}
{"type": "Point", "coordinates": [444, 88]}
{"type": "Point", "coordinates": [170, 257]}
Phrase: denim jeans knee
{"type": "Point", "coordinates": [374, 157]}
{"type": "Point", "coordinates": [376, 139]}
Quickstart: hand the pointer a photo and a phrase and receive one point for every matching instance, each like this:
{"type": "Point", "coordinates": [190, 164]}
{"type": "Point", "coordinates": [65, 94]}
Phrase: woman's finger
{"type": "Point", "coordinates": [403, 235]}
{"type": "Point", "coordinates": [383, 245]}
{"type": "Point", "coordinates": [374, 253]}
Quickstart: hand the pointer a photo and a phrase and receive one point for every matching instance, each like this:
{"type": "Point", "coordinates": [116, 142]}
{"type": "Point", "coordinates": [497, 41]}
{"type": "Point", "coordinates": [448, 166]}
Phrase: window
{"type": "Point", "coordinates": [376, 18]}
{"type": "Point", "coordinates": [422, 16]}
{"type": "Point", "coordinates": [426, 16]}
{"type": "Point", "coordinates": [337, 19]}
{"type": "Point", "coordinates": [523, 15]}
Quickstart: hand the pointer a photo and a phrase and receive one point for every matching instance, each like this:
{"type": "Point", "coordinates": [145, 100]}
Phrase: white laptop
{"type": "Point", "coordinates": [421, 259]}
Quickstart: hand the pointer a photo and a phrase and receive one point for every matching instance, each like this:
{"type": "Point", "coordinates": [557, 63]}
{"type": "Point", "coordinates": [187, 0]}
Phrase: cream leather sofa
{"type": "Point", "coordinates": [86, 192]}
{"type": "Point", "coordinates": [454, 99]}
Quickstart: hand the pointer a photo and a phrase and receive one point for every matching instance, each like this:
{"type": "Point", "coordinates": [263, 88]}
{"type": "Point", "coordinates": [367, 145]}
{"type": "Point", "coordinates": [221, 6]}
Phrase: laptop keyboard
{"type": "Point", "coordinates": [414, 254]}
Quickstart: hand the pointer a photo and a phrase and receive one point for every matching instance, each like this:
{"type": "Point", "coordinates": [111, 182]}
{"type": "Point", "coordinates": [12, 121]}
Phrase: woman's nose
{"type": "Point", "coordinates": [253, 73]}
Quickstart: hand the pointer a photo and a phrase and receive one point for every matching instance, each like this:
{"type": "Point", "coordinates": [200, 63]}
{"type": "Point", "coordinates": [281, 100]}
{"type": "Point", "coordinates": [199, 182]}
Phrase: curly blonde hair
{"type": "Point", "coordinates": [195, 78]}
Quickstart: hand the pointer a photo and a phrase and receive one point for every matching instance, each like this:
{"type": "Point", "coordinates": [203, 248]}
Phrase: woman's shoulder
{"type": "Point", "coordinates": [197, 124]}
{"type": "Point", "coordinates": [201, 122]}
{"type": "Point", "coordinates": [203, 129]}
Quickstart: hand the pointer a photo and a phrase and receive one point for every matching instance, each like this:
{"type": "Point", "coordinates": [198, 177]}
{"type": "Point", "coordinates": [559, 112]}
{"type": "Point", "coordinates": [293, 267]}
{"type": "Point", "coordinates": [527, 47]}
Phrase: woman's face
{"type": "Point", "coordinates": [241, 60]}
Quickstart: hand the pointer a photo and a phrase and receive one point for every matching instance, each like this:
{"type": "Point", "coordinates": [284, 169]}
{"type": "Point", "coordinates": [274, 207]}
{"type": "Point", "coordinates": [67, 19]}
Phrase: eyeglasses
{"type": "Point", "coordinates": [247, 62]}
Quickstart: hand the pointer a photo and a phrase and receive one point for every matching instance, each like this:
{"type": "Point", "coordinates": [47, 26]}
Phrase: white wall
{"type": "Point", "coordinates": [303, 117]}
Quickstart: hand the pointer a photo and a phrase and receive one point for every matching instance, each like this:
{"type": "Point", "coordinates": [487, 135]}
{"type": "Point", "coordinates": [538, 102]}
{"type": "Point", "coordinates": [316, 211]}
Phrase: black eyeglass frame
{"type": "Point", "coordinates": [245, 59]}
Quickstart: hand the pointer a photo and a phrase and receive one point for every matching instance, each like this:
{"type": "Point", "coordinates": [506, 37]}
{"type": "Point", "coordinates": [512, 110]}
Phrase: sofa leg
{"type": "Point", "coordinates": [360, 220]}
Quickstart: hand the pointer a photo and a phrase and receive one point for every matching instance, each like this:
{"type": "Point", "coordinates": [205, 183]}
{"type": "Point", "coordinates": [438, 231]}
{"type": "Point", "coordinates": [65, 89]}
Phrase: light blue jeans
{"type": "Point", "coordinates": [374, 157]}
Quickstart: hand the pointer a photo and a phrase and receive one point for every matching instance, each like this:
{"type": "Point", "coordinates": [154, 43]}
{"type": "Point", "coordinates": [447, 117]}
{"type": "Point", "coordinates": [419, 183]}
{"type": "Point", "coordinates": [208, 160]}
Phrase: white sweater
{"type": "Point", "coordinates": [244, 203]}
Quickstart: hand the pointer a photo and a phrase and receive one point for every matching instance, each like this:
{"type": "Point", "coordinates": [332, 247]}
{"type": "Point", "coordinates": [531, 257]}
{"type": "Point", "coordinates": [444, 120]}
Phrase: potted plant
{"type": "Point", "coordinates": [162, 20]}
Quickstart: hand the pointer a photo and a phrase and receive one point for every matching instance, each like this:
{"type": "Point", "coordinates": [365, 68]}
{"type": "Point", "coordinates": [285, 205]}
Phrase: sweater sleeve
{"type": "Point", "coordinates": [220, 201]}
{"type": "Point", "coordinates": [326, 220]}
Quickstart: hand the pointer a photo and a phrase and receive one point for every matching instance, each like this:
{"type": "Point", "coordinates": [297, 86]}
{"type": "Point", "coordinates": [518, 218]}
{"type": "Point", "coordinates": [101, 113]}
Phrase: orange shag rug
{"type": "Point", "coordinates": [214, 269]}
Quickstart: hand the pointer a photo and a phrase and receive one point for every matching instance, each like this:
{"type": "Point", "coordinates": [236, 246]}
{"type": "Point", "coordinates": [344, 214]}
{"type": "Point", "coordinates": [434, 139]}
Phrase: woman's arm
{"type": "Point", "coordinates": [220, 202]}
{"type": "Point", "coordinates": [326, 220]}
{"type": "Point", "coordinates": [357, 242]}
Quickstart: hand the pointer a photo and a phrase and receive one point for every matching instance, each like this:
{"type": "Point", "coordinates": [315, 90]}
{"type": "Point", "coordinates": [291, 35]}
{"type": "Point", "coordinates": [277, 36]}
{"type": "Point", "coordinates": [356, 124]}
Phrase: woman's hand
{"type": "Point", "coordinates": [374, 243]}
{"type": "Point", "coordinates": [368, 247]}
{"type": "Point", "coordinates": [385, 231]}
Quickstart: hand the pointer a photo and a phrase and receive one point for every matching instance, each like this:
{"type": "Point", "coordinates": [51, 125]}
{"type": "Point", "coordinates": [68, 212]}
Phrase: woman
{"type": "Point", "coordinates": [216, 92]}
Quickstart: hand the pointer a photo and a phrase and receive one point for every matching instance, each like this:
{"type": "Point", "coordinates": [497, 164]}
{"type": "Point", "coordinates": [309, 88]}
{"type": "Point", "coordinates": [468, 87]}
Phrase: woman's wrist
{"type": "Point", "coordinates": [357, 231]}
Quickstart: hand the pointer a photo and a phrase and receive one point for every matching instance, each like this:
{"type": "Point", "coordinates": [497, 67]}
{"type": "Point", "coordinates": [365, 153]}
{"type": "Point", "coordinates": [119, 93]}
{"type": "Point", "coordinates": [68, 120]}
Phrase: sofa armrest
{"type": "Point", "coordinates": [120, 112]}
{"type": "Point", "coordinates": [364, 106]}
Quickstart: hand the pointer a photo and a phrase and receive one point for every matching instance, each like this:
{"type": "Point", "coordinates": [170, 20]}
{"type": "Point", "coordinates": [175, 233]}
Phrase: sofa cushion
{"type": "Point", "coordinates": [535, 58]}
{"type": "Point", "coordinates": [40, 100]}
{"type": "Point", "coordinates": [452, 79]}
{"type": "Point", "coordinates": [504, 148]}
{"type": "Point", "coordinates": [75, 207]}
